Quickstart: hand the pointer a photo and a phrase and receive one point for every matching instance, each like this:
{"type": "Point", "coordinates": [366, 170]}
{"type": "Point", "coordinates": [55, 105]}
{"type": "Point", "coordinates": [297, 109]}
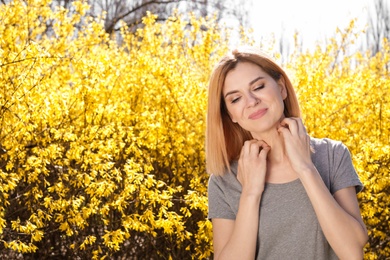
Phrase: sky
{"type": "Point", "coordinates": [313, 19]}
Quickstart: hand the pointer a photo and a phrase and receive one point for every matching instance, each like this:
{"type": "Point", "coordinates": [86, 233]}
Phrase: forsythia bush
{"type": "Point", "coordinates": [102, 144]}
{"type": "Point", "coordinates": [102, 139]}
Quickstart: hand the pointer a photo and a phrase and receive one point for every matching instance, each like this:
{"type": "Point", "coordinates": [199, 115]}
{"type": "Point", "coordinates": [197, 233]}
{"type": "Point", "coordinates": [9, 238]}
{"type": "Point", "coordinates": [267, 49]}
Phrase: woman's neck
{"type": "Point", "coordinates": [275, 141]}
{"type": "Point", "coordinates": [278, 167]}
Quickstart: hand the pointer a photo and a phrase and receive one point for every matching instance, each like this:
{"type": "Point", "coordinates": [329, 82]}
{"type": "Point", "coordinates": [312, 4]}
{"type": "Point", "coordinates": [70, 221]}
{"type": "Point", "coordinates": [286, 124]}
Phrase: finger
{"type": "Point", "coordinates": [303, 133]}
{"type": "Point", "coordinates": [301, 130]}
{"type": "Point", "coordinates": [262, 143]}
{"type": "Point", "coordinates": [248, 146]}
{"type": "Point", "coordinates": [284, 131]}
{"type": "Point", "coordinates": [291, 124]}
{"type": "Point", "coordinates": [252, 147]}
{"type": "Point", "coordinates": [264, 152]}
{"type": "Point", "coordinates": [258, 146]}
{"type": "Point", "coordinates": [301, 127]}
{"type": "Point", "coordinates": [246, 149]}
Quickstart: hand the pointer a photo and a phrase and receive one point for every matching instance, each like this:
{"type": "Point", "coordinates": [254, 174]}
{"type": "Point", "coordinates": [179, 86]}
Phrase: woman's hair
{"type": "Point", "coordinates": [224, 139]}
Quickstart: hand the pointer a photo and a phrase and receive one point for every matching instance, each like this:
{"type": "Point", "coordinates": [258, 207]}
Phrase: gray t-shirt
{"type": "Point", "coordinates": [288, 228]}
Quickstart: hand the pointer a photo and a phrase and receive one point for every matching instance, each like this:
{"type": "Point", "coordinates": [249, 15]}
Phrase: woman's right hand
{"type": "Point", "coordinates": [252, 167]}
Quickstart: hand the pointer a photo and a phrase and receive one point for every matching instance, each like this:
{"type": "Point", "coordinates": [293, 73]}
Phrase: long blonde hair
{"type": "Point", "coordinates": [224, 139]}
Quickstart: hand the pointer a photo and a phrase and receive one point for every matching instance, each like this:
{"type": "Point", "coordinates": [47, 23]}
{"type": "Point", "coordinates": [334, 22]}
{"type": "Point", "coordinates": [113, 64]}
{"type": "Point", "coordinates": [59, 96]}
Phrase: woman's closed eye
{"type": "Point", "coordinates": [258, 87]}
{"type": "Point", "coordinates": [235, 100]}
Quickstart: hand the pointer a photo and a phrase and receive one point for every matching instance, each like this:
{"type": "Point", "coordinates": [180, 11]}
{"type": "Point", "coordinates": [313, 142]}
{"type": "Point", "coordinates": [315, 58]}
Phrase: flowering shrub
{"type": "Point", "coordinates": [102, 144]}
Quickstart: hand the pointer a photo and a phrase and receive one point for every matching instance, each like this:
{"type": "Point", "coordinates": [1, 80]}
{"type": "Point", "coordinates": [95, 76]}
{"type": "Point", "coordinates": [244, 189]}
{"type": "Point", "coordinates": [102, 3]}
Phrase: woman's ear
{"type": "Point", "coordinates": [282, 87]}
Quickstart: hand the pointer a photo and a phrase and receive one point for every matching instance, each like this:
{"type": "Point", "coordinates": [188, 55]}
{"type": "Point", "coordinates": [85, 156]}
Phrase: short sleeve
{"type": "Point", "coordinates": [218, 204]}
{"type": "Point", "coordinates": [344, 174]}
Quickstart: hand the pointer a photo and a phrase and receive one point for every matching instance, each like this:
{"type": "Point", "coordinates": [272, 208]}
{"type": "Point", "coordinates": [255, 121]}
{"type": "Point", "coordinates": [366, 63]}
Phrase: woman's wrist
{"type": "Point", "coordinates": [307, 170]}
{"type": "Point", "coordinates": [254, 196]}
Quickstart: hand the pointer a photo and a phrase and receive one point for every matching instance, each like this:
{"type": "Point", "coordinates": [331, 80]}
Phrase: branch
{"type": "Point", "coordinates": [26, 59]}
{"type": "Point", "coordinates": [114, 21]}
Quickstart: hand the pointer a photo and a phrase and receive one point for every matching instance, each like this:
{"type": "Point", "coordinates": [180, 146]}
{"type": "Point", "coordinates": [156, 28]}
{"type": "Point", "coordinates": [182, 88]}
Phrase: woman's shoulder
{"type": "Point", "coordinates": [326, 143]}
{"type": "Point", "coordinates": [226, 183]}
{"type": "Point", "coordinates": [326, 150]}
{"type": "Point", "coordinates": [228, 175]}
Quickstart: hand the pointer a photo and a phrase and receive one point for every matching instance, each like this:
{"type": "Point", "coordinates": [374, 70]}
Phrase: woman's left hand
{"type": "Point", "coordinates": [296, 143]}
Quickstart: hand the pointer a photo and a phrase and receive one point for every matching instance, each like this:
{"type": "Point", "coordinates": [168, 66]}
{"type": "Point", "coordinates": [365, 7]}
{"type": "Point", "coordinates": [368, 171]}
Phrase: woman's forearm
{"type": "Point", "coordinates": [344, 230]}
{"type": "Point", "coordinates": [243, 239]}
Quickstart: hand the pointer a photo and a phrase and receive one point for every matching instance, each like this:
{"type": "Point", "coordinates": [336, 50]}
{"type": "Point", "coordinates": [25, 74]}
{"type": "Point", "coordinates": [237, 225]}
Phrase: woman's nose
{"type": "Point", "coordinates": [252, 100]}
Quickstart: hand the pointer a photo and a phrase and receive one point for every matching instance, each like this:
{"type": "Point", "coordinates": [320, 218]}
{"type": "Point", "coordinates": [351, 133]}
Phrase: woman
{"type": "Point", "coordinates": [274, 192]}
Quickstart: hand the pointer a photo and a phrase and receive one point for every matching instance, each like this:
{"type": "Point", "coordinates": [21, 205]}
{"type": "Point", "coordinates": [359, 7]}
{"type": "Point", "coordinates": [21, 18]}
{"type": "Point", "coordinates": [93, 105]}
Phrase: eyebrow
{"type": "Point", "coordinates": [250, 83]}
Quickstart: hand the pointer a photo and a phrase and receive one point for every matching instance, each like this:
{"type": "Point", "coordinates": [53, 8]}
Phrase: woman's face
{"type": "Point", "coordinates": [253, 98]}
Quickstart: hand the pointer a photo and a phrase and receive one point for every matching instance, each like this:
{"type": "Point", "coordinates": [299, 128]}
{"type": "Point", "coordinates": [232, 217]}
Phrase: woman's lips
{"type": "Point", "coordinates": [258, 114]}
